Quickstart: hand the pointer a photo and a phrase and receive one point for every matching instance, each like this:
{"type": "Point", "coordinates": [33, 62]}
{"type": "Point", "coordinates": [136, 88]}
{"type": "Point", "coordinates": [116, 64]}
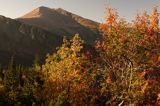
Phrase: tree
{"type": "Point", "coordinates": [127, 50]}
{"type": "Point", "coordinates": [68, 73]}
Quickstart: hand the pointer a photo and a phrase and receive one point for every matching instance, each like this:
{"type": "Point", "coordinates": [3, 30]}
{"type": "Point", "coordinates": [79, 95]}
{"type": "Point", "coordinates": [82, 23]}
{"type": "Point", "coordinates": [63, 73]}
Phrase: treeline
{"type": "Point", "coordinates": [122, 69]}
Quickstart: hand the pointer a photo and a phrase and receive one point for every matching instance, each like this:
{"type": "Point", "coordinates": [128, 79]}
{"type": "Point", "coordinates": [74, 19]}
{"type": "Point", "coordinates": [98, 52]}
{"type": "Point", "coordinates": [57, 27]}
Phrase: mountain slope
{"type": "Point", "coordinates": [62, 22]}
{"type": "Point", "coordinates": [24, 41]}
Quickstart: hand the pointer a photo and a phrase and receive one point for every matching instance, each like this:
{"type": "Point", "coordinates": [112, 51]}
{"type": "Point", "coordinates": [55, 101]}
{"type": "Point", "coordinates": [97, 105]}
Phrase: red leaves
{"type": "Point", "coordinates": [151, 75]}
{"type": "Point", "coordinates": [88, 53]}
{"type": "Point", "coordinates": [111, 17]}
{"type": "Point", "coordinates": [152, 80]}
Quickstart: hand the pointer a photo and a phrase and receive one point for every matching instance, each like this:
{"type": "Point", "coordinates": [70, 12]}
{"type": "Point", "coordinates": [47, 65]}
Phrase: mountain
{"type": "Point", "coordinates": [61, 22]}
{"type": "Point", "coordinates": [40, 32]}
{"type": "Point", "coordinates": [24, 41]}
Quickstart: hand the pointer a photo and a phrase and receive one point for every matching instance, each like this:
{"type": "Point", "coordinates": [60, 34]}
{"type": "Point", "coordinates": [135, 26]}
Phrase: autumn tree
{"type": "Point", "coordinates": [127, 50]}
{"type": "Point", "coordinates": [69, 74]}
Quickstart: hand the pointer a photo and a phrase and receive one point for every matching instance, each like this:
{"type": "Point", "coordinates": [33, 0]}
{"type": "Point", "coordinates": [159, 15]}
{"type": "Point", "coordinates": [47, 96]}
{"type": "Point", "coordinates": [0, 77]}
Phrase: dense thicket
{"type": "Point", "coordinates": [123, 70]}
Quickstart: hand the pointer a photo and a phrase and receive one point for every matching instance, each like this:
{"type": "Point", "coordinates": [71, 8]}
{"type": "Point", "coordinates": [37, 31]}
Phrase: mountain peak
{"type": "Point", "coordinates": [46, 11]}
{"type": "Point", "coordinates": [38, 12]}
{"type": "Point", "coordinates": [62, 22]}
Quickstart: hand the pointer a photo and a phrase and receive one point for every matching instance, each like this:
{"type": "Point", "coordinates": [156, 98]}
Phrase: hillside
{"type": "Point", "coordinates": [24, 41]}
{"type": "Point", "coordinates": [61, 22]}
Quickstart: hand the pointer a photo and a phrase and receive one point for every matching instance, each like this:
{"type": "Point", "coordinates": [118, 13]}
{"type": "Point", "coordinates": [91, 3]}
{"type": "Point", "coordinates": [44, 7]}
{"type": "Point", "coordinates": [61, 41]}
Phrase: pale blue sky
{"type": "Point", "coordinates": [92, 9]}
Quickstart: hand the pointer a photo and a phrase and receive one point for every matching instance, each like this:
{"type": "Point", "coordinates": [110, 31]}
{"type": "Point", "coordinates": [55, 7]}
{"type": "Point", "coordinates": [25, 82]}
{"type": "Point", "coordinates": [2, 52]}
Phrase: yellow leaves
{"type": "Point", "coordinates": [111, 21]}
{"type": "Point", "coordinates": [148, 25]}
{"type": "Point", "coordinates": [144, 87]}
{"type": "Point", "coordinates": [125, 49]}
{"type": "Point", "coordinates": [100, 45]}
{"type": "Point", "coordinates": [2, 88]}
{"type": "Point", "coordinates": [121, 39]}
{"type": "Point", "coordinates": [158, 58]}
{"type": "Point", "coordinates": [158, 98]}
{"type": "Point", "coordinates": [66, 69]}
{"type": "Point", "coordinates": [141, 22]}
{"type": "Point", "coordinates": [154, 19]}
{"type": "Point", "coordinates": [109, 80]}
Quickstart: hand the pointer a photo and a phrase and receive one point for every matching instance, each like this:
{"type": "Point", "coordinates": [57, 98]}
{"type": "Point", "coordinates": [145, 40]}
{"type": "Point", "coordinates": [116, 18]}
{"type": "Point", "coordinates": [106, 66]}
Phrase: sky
{"type": "Point", "coordinates": [91, 9]}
